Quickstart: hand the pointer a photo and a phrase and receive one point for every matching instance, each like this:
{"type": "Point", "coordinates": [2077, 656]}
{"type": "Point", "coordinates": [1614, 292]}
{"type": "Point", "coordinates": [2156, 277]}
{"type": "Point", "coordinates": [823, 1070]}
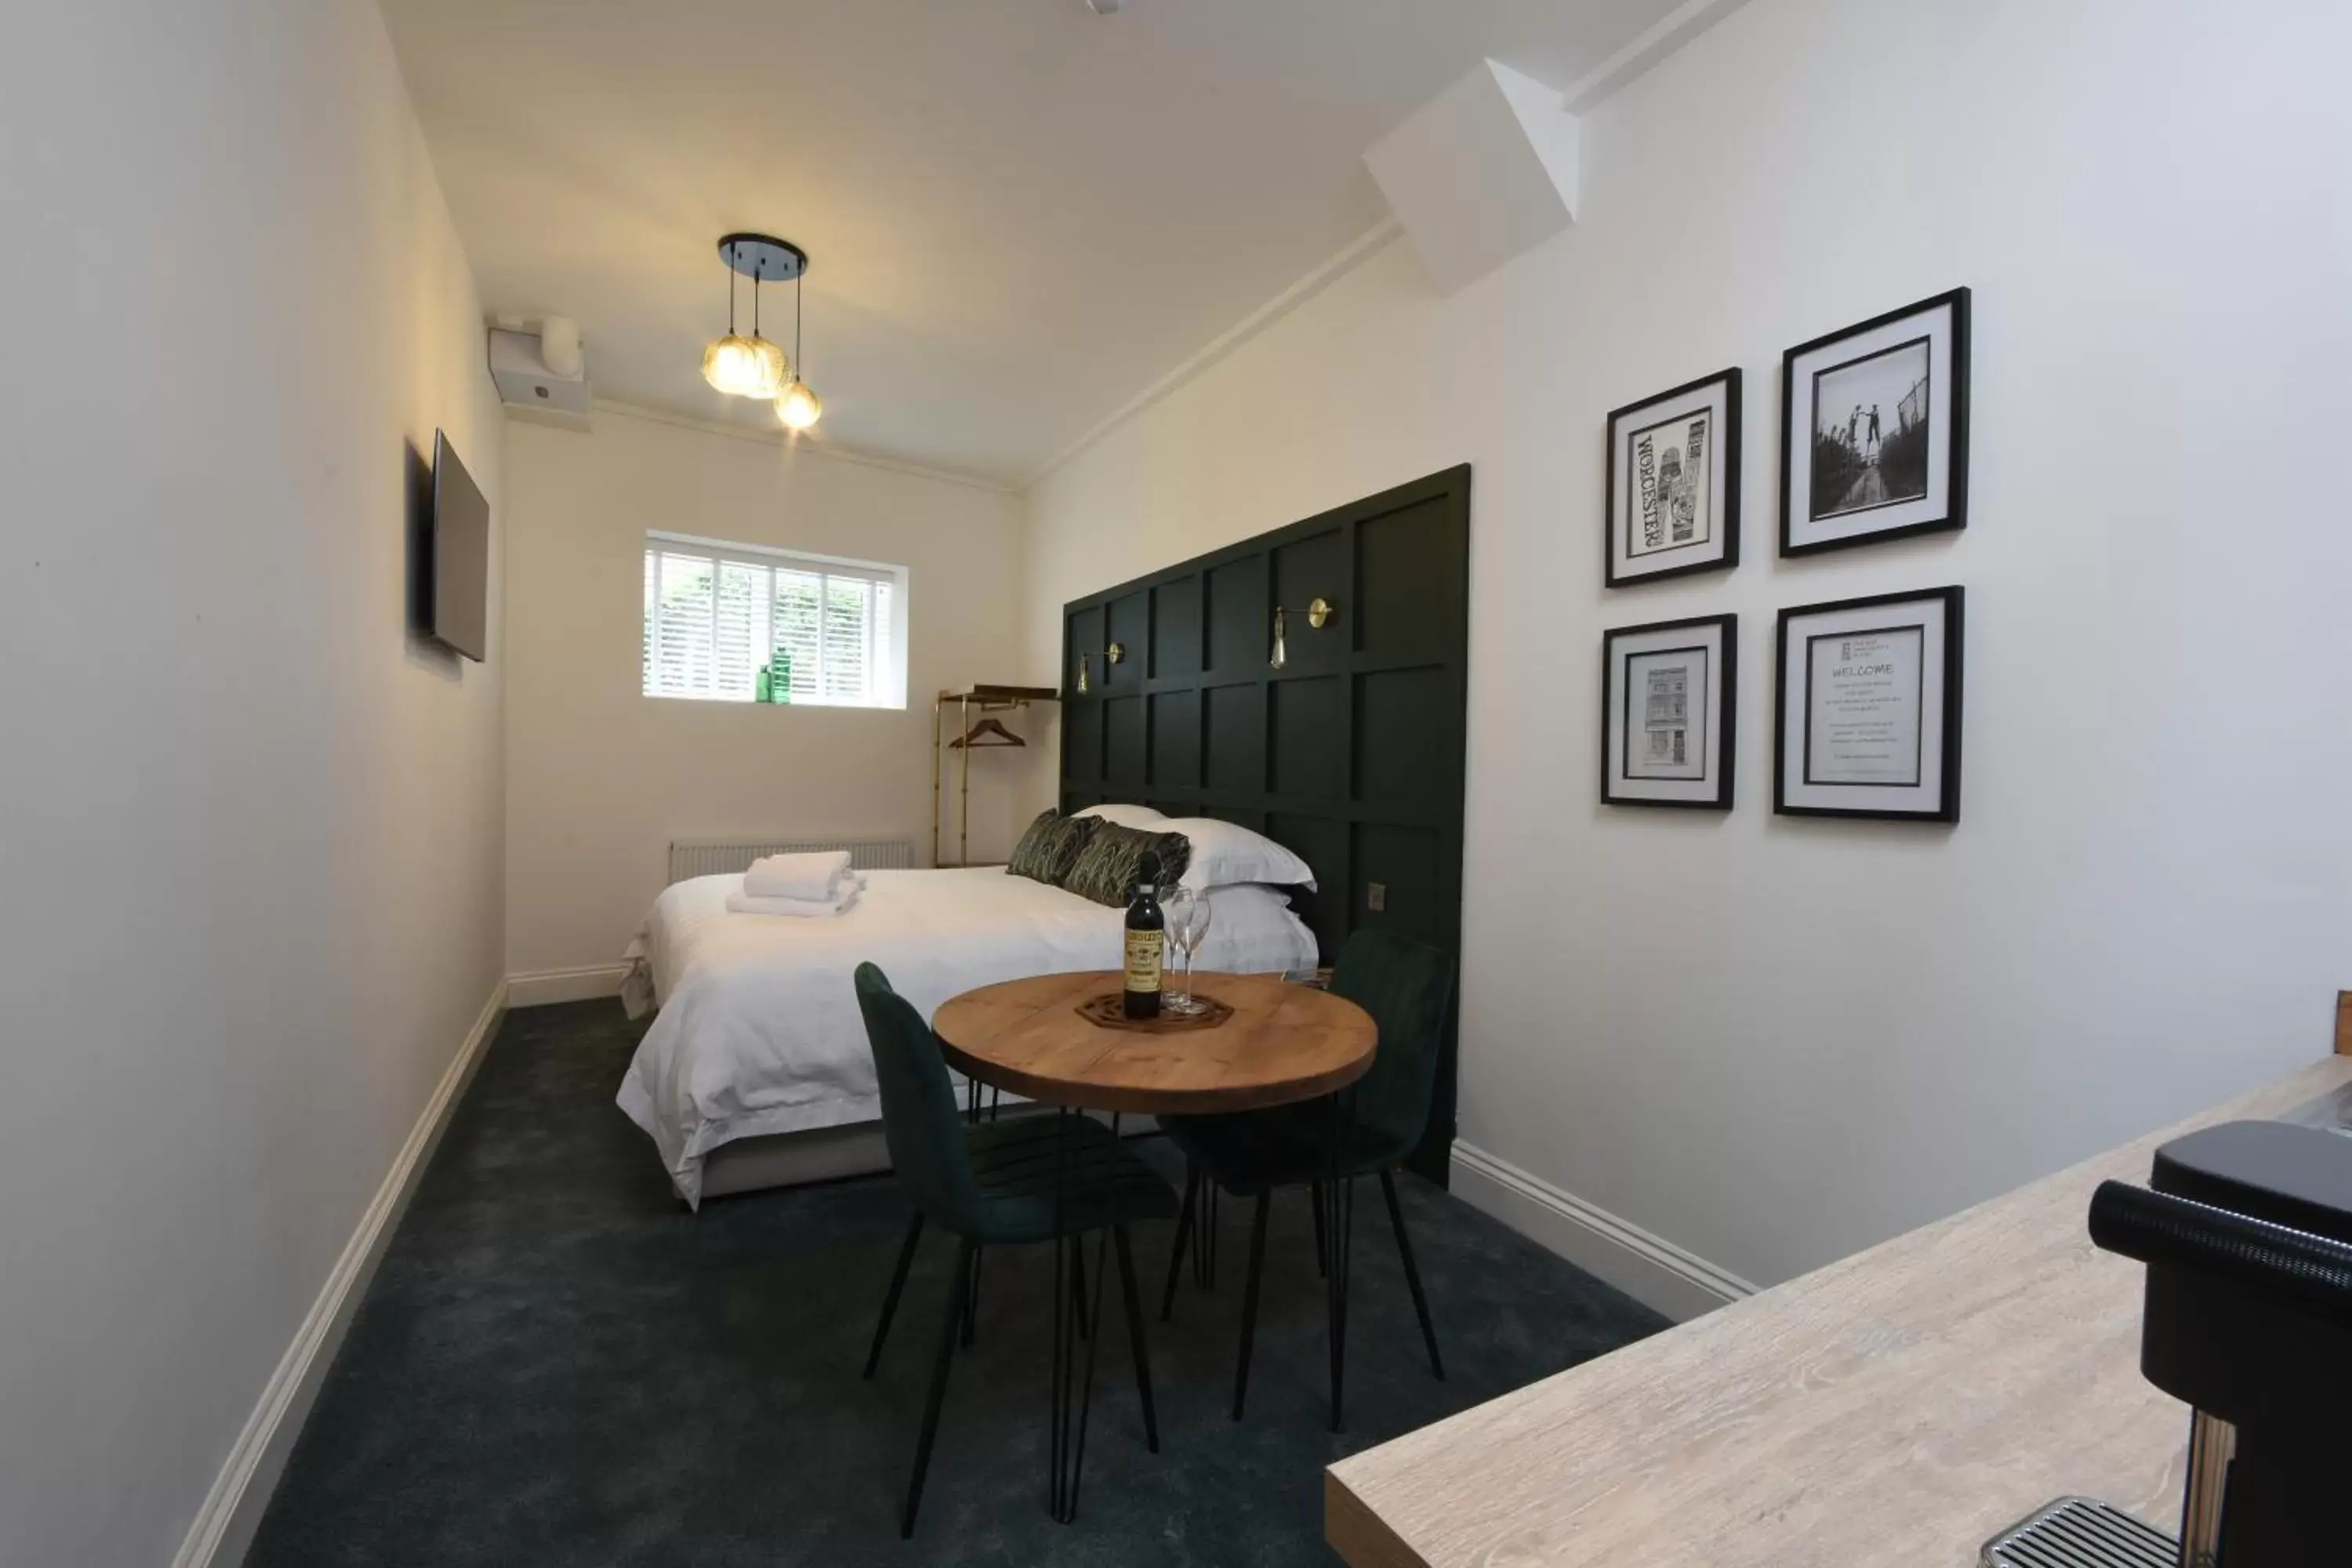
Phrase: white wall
{"type": "Point", "coordinates": [602, 778]}
{"type": "Point", "coordinates": [1772, 1041]}
{"type": "Point", "coordinates": [250, 834]}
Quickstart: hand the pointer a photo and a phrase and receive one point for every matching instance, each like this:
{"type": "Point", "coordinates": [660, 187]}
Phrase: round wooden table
{"type": "Point", "coordinates": [1282, 1045]}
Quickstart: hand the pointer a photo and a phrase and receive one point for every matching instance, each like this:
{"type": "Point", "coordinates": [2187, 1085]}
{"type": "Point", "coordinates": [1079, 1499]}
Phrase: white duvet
{"type": "Point", "coordinates": [758, 1030]}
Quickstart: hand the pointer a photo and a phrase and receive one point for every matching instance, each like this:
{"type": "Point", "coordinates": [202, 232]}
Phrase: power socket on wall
{"type": "Point", "coordinates": [1376, 897]}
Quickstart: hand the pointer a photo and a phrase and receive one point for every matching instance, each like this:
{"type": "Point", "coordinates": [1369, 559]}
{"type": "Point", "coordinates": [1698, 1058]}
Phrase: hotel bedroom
{"type": "Point", "coordinates": [1242, 612]}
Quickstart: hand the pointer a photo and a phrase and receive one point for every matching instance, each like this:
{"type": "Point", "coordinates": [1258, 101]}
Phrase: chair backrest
{"type": "Point", "coordinates": [919, 1121]}
{"type": "Point", "coordinates": [1407, 988]}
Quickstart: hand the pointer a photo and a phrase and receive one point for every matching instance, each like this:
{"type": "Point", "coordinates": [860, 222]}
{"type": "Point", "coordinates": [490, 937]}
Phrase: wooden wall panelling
{"type": "Point", "coordinates": [1350, 754]}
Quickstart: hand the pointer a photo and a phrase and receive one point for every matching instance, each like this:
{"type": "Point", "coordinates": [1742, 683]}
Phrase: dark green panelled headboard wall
{"type": "Point", "coordinates": [1350, 753]}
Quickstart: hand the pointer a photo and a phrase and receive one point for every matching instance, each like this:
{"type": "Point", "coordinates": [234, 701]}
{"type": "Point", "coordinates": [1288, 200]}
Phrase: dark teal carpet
{"type": "Point", "coordinates": [556, 1364]}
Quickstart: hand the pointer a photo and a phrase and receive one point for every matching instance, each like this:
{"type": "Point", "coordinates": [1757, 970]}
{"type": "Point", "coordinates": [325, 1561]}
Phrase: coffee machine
{"type": "Point", "coordinates": [2246, 1229]}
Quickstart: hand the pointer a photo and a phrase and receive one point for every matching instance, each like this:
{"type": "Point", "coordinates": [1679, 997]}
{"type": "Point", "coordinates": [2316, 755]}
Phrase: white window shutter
{"type": "Point", "coordinates": [714, 615]}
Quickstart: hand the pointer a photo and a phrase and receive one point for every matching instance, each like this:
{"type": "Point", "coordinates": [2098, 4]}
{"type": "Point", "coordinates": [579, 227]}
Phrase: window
{"type": "Point", "coordinates": [717, 613]}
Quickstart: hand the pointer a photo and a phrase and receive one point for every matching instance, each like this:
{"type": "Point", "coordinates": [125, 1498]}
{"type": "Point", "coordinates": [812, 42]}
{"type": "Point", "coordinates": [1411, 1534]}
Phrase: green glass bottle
{"type": "Point", "coordinates": [762, 691]}
{"type": "Point", "coordinates": [781, 683]}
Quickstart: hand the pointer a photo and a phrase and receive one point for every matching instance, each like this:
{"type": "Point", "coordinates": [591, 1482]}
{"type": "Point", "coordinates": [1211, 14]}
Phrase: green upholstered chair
{"type": "Point", "coordinates": [1408, 989]}
{"type": "Point", "coordinates": [992, 1184]}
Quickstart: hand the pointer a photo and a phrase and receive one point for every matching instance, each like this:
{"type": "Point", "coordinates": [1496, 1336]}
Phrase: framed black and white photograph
{"type": "Point", "coordinates": [1869, 704]}
{"type": "Point", "coordinates": [1875, 429]}
{"type": "Point", "coordinates": [1669, 695]}
{"type": "Point", "coordinates": [1673, 482]}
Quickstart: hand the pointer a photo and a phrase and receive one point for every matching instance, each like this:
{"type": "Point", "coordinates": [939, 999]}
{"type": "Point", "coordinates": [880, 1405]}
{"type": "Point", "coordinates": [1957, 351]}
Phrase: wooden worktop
{"type": "Point", "coordinates": [1896, 1407]}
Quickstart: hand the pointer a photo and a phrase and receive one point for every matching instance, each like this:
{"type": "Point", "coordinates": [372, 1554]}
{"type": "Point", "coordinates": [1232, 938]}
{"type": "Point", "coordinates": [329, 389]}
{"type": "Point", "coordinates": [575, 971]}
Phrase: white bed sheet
{"type": "Point", "coordinates": [758, 1030]}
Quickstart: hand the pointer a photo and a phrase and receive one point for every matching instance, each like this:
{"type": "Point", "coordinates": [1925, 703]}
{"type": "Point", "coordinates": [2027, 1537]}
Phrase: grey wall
{"type": "Point", "coordinates": [1771, 1042]}
{"type": "Point", "coordinates": [602, 777]}
{"type": "Point", "coordinates": [250, 834]}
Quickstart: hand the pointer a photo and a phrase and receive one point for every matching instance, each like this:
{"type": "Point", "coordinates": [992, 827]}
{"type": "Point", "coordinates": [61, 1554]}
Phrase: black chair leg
{"type": "Point", "coordinates": [897, 1284]}
{"type": "Point", "coordinates": [1412, 1273]}
{"type": "Point", "coordinates": [1135, 1335]}
{"type": "Point", "coordinates": [1183, 1235]}
{"type": "Point", "coordinates": [1322, 1243]}
{"type": "Point", "coordinates": [1204, 1237]}
{"type": "Point", "coordinates": [1343, 1237]}
{"type": "Point", "coordinates": [1249, 1295]}
{"type": "Point", "coordinates": [972, 1298]}
{"type": "Point", "coordinates": [962, 1278]}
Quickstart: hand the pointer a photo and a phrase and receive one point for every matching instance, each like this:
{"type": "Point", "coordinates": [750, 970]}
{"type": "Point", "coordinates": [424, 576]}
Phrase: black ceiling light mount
{"type": "Point", "coordinates": [762, 258]}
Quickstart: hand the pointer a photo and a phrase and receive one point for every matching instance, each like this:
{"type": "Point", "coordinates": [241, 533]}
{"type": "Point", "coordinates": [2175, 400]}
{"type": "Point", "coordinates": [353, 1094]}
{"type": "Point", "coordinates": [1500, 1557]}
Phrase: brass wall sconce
{"type": "Point", "coordinates": [1318, 612]}
{"type": "Point", "coordinates": [1115, 654]}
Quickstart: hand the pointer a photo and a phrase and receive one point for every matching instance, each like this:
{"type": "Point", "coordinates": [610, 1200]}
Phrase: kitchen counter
{"type": "Point", "coordinates": [1898, 1407]}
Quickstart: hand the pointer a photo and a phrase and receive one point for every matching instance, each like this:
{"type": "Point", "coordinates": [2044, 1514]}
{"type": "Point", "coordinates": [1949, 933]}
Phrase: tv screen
{"type": "Point", "coordinates": [461, 554]}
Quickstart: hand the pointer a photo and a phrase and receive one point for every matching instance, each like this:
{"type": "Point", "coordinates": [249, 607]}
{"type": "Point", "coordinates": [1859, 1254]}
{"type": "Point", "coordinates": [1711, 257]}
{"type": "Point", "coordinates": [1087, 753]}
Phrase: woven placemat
{"type": "Point", "coordinates": [1108, 1011]}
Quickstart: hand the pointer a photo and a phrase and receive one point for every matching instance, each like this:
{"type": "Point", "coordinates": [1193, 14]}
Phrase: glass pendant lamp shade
{"type": "Point", "coordinates": [744, 368]}
{"type": "Point", "coordinates": [799, 408]}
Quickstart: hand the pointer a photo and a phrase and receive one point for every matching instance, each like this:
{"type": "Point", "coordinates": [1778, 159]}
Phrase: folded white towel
{"type": "Point", "coordinates": [840, 904]}
{"type": "Point", "coordinates": [816, 875]}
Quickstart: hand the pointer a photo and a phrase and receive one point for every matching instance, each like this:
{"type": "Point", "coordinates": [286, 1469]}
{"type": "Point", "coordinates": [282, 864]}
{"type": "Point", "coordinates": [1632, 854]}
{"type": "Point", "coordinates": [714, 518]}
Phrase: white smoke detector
{"type": "Point", "coordinates": [542, 375]}
{"type": "Point", "coordinates": [1103, 8]}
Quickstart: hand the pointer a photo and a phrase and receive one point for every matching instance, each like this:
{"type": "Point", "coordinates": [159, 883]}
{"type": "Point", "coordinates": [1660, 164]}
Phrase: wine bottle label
{"type": "Point", "coordinates": [1143, 951]}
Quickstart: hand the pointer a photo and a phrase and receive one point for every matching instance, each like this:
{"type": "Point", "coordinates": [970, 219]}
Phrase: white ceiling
{"type": "Point", "coordinates": [1019, 215]}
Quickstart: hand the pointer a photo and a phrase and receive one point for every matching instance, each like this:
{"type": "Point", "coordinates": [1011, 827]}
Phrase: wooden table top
{"type": "Point", "coordinates": [1284, 1043]}
{"type": "Point", "coordinates": [1899, 1406]}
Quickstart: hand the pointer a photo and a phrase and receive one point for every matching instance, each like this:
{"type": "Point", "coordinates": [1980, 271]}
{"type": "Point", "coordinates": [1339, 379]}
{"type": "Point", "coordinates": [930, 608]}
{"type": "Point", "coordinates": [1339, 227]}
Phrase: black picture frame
{"type": "Point", "coordinates": [1719, 634]}
{"type": "Point", "coordinates": [1944, 723]}
{"type": "Point", "coordinates": [1949, 410]}
{"type": "Point", "coordinates": [1615, 570]}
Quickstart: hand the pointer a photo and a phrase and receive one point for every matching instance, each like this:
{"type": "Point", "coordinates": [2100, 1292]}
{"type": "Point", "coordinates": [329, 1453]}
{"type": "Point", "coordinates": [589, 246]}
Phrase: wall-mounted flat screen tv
{"type": "Point", "coordinates": [461, 554]}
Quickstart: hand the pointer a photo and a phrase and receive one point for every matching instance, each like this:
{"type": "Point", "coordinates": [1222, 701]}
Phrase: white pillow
{"type": "Point", "coordinates": [1124, 815]}
{"type": "Point", "coordinates": [1225, 853]}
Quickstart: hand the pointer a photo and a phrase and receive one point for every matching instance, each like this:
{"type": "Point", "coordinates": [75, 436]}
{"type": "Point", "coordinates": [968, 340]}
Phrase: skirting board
{"type": "Point", "coordinates": [1650, 1269]}
{"type": "Point", "coordinates": [224, 1526]}
{"type": "Point", "coordinates": [541, 987]}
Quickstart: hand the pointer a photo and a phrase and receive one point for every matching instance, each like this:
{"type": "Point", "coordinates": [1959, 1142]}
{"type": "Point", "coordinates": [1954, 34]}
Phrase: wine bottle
{"type": "Point", "coordinates": [1146, 941]}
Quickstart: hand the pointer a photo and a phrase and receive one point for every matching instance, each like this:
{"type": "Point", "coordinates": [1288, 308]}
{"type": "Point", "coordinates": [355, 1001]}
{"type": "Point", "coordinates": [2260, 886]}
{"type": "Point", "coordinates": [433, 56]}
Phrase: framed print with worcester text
{"type": "Point", "coordinates": [1673, 482]}
{"type": "Point", "coordinates": [1875, 429]}
{"type": "Point", "coordinates": [1868, 703]}
{"type": "Point", "coordinates": [1669, 696]}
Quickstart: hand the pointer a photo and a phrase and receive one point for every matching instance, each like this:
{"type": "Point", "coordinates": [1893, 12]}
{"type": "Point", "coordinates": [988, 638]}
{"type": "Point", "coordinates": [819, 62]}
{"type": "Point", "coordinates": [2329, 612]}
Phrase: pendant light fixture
{"type": "Point", "coordinates": [750, 366]}
{"type": "Point", "coordinates": [796, 405]}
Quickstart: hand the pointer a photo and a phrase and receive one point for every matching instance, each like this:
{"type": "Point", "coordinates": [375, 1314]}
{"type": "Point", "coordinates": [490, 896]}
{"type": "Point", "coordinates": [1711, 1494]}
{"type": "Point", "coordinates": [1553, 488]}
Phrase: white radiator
{"type": "Point", "coordinates": [720, 857]}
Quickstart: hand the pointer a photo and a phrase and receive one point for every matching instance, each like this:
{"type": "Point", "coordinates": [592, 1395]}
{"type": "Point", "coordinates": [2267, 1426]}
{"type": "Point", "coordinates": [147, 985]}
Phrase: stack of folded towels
{"type": "Point", "coordinates": [815, 884]}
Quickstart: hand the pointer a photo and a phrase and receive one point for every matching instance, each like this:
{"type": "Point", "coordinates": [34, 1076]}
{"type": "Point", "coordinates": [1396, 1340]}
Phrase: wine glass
{"type": "Point", "coordinates": [1188, 923]}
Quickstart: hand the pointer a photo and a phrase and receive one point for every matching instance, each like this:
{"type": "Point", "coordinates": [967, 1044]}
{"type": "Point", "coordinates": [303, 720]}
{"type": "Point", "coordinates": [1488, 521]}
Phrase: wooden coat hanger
{"type": "Point", "coordinates": [977, 738]}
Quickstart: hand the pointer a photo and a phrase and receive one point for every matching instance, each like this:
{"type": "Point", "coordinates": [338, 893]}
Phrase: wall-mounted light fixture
{"type": "Point", "coordinates": [1109, 656]}
{"type": "Point", "coordinates": [1319, 613]}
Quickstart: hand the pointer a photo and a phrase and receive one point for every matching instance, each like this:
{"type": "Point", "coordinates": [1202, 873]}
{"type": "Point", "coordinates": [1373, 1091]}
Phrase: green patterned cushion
{"type": "Point", "coordinates": [1110, 865]}
{"type": "Point", "coordinates": [1051, 847]}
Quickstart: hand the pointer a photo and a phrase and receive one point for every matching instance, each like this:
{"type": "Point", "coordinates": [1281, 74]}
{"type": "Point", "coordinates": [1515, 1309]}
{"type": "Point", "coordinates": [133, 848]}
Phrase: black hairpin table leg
{"type": "Point", "coordinates": [1339, 1198]}
{"type": "Point", "coordinates": [1076, 1316]}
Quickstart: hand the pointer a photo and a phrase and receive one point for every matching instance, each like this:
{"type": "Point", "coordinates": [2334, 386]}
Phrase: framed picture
{"type": "Point", "coordinates": [1875, 429]}
{"type": "Point", "coordinates": [1869, 702]}
{"type": "Point", "coordinates": [1669, 693]}
{"type": "Point", "coordinates": [1673, 482]}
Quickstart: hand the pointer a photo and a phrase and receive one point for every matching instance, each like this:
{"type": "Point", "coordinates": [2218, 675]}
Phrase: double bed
{"type": "Point", "coordinates": [755, 1071]}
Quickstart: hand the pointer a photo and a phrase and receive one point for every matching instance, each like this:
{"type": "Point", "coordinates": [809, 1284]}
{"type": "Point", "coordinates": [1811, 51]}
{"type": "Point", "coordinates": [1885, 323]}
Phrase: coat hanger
{"type": "Point", "coordinates": [977, 737]}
